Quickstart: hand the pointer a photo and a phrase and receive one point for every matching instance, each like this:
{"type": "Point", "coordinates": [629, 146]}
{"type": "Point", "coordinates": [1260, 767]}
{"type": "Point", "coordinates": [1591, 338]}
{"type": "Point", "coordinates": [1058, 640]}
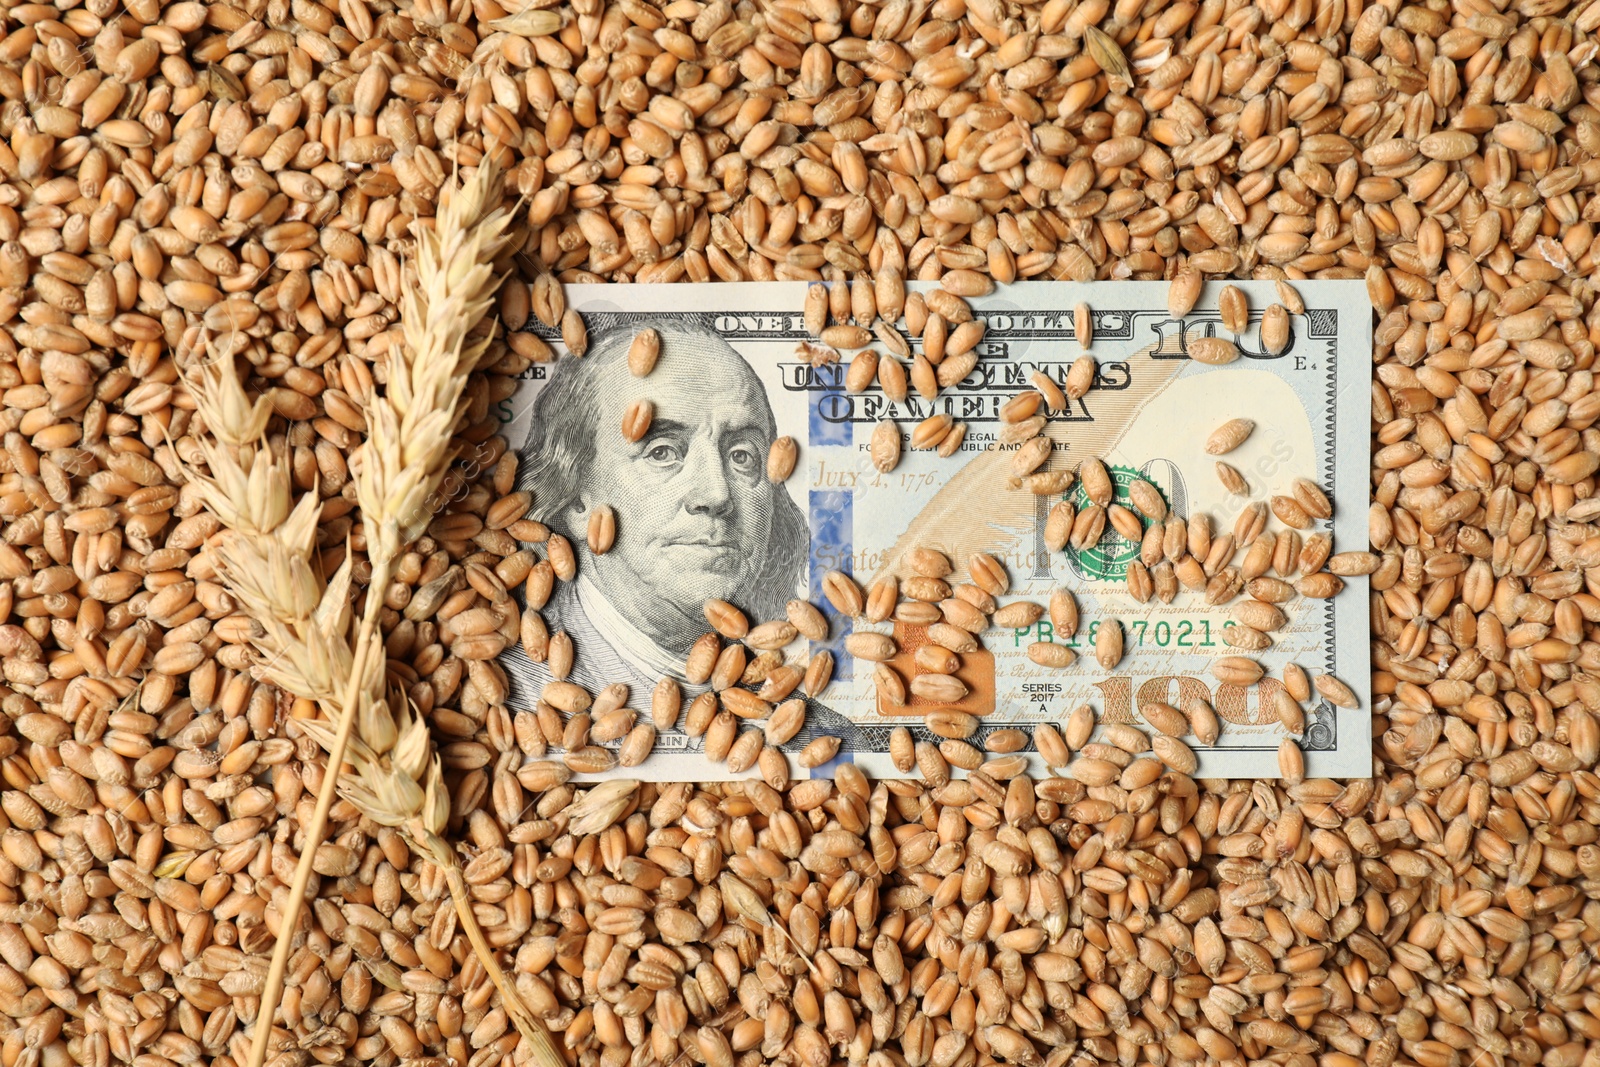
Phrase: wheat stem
{"type": "Point", "coordinates": [366, 640]}
{"type": "Point", "coordinates": [543, 1048]}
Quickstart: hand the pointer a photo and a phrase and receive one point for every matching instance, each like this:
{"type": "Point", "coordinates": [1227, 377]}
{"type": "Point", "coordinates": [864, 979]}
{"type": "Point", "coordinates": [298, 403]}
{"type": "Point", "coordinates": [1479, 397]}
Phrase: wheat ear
{"type": "Point", "coordinates": [398, 472]}
{"type": "Point", "coordinates": [265, 557]}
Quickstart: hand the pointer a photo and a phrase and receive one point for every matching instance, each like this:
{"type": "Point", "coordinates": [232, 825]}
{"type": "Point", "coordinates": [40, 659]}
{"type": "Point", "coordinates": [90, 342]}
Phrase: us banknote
{"type": "Point", "coordinates": [696, 516]}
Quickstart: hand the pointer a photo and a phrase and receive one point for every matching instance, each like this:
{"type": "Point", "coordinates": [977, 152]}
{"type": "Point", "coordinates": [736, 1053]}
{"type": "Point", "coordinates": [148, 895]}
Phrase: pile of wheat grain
{"type": "Point", "coordinates": [191, 182]}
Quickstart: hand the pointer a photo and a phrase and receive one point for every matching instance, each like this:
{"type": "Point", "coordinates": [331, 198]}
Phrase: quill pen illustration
{"type": "Point", "coordinates": [977, 510]}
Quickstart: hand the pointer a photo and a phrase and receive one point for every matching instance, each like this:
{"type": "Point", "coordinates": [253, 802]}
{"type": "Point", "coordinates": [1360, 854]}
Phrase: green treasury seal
{"type": "Point", "coordinates": [1107, 560]}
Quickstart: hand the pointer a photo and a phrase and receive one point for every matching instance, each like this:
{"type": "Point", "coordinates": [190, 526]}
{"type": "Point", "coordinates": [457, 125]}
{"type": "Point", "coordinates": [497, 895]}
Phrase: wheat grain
{"type": "Point", "coordinates": [1437, 153]}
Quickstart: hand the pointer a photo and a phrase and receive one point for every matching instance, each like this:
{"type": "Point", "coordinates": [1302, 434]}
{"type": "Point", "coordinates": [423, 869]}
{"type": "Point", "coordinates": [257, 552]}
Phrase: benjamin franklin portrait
{"type": "Point", "coordinates": [696, 516]}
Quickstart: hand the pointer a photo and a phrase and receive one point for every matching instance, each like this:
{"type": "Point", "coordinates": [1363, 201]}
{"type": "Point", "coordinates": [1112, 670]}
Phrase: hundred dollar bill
{"type": "Point", "coordinates": [697, 517]}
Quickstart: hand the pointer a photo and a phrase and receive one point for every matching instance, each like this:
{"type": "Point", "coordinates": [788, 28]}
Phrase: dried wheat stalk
{"type": "Point", "coordinates": [307, 639]}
